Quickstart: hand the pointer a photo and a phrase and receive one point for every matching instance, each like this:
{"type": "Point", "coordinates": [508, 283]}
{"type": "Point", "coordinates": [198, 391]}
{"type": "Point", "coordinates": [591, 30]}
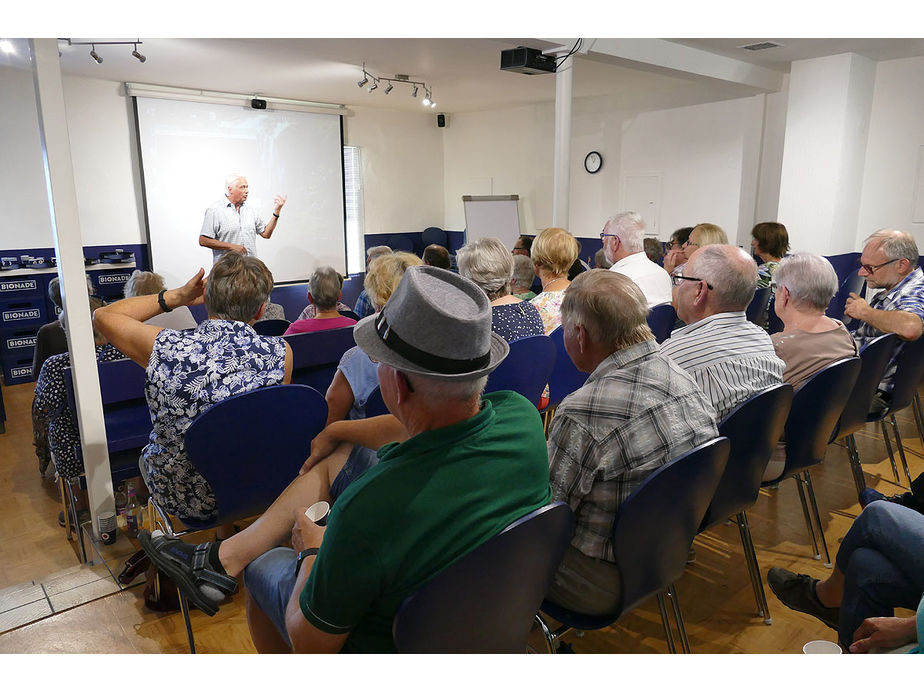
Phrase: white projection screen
{"type": "Point", "coordinates": [188, 149]}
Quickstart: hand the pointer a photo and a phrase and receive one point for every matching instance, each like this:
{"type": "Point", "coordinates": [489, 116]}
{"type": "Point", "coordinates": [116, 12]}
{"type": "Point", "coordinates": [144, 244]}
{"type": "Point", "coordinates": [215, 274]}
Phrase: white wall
{"type": "Point", "coordinates": [896, 134]}
{"type": "Point", "coordinates": [402, 163]}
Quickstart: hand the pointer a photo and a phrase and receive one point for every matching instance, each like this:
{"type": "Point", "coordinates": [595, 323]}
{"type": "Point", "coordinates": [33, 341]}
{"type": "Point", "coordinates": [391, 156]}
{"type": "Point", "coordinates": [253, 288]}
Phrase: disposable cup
{"type": "Point", "coordinates": [318, 513]}
{"type": "Point", "coordinates": [821, 647]}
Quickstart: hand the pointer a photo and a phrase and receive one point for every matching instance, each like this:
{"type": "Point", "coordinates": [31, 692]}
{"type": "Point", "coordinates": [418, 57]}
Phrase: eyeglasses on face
{"type": "Point", "coordinates": [872, 268]}
{"type": "Point", "coordinates": [692, 243]}
{"type": "Point", "coordinates": [604, 234]}
{"type": "Point", "coordinates": [677, 278]}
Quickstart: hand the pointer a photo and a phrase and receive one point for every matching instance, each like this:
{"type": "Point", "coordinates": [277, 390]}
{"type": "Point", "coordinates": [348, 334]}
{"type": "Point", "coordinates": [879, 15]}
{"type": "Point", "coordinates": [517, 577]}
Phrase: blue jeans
{"type": "Point", "coordinates": [269, 580]}
{"type": "Point", "coordinates": [882, 557]}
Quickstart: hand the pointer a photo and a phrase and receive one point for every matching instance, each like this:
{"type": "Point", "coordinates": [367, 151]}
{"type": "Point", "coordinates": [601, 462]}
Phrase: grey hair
{"type": "Point", "coordinates": [523, 274]}
{"type": "Point", "coordinates": [230, 180]}
{"type": "Point", "coordinates": [54, 291]}
{"type": "Point", "coordinates": [142, 283]}
{"type": "Point", "coordinates": [377, 250]}
{"type": "Point", "coordinates": [437, 391]}
{"type": "Point", "coordinates": [610, 306]}
{"type": "Point", "coordinates": [896, 245]}
{"type": "Point", "coordinates": [809, 278]}
{"type": "Point", "coordinates": [730, 271]}
{"type": "Point", "coordinates": [488, 263]}
{"type": "Point", "coordinates": [325, 286]}
{"type": "Point", "coordinates": [238, 285]}
{"type": "Point", "coordinates": [630, 227]}
{"type": "Point", "coordinates": [601, 259]}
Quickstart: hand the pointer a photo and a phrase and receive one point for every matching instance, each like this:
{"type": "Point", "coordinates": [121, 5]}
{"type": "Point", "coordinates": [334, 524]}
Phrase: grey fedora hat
{"type": "Point", "coordinates": [436, 324]}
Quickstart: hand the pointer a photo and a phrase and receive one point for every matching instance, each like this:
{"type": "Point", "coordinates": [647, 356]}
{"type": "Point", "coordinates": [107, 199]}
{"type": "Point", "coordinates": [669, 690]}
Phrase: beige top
{"type": "Point", "coordinates": [805, 353]}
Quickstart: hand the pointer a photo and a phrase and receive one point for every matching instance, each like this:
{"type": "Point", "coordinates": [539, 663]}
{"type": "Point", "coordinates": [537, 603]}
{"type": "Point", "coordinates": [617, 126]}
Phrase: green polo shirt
{"type": "Point", "coordinates": [428, 502]}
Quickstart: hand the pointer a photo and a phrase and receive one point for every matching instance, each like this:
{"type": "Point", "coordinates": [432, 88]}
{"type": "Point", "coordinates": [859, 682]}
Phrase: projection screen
{"type": "Point", "coordinates": [188, 149]}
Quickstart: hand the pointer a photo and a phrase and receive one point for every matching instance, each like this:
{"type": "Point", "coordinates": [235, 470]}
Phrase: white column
{"type": "Point", "coordinates": [827, 127]}
{"type": "Point", "coordinates": [562, 181]}
{"type": "Point", "coordinates": [62, 203]}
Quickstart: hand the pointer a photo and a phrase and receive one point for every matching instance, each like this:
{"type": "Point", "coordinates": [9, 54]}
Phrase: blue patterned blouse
{"type": "Point", "coordinates": [187, 373]}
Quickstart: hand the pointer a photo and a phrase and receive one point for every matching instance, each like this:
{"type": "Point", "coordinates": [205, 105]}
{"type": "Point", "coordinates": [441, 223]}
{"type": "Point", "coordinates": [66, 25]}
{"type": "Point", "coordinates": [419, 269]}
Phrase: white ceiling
{"type": "Point", "coordinates": [464, 73]}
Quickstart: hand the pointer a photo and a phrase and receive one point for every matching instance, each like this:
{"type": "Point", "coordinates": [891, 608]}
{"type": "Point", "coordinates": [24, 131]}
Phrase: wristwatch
{"type": "Point", "coordinates": [302, 555]}
{"type": "Point", "coordinates": [162, 302]}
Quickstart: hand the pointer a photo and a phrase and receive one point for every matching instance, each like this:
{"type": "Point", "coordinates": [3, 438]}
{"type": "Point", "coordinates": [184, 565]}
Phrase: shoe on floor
{"type": "Point", "coordinates": [868, 495]}
{"type": "Point", "coordinates": [798, 593]}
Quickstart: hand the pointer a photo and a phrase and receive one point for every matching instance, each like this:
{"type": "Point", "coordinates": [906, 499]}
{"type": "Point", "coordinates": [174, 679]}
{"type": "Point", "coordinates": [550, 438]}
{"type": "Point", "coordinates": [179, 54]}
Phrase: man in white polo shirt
{"type": "Point", "coordinates": [730, 358]}
{"type": "Point", "coordinates": [229, 224]}
{"type": "Point", "coordinates": [624, 245]}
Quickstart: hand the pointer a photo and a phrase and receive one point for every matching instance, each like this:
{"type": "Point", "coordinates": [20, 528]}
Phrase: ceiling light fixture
{"type": "Point", "coordinates": [96, 56]}
{"type": "Point", "coordinates": [6, 46]}
{"type": "Point", "coordinates": [404, 79]}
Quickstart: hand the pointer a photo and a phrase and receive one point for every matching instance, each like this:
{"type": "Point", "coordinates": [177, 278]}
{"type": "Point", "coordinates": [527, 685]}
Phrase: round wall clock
{"type": "Point", "coordinates": [593, 162]}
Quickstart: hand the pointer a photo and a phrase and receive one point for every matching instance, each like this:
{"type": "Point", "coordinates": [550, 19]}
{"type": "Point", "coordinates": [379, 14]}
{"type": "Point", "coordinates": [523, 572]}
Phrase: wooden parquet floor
{"type": "Point", "coordinates": [715, 592]}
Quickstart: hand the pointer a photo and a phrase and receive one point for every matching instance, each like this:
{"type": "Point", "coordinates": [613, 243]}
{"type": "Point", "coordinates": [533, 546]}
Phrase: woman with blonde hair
{"type": "Point", "coordinates": [701, 235]}
{"type": "Point", "coordinates": [553, 252]}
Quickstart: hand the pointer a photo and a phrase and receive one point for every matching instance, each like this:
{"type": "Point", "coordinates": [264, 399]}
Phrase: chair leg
{"type": "Point", "coordinates": [189, 634]}
{"type": "Point", "coordinates": [665, 621]}
{"type": "Point", "coordinates": [675, 602]}
{"type": "Point", "coordinates": [64, 508]}
{"type": "Point", "coordinates": [821, 531]}
{"type": "Point", "coordinates": [888, 444]}
{"type": "Point", "coordinates": [750, 555]}
{"type": "Point", "coordinates": [854, 456]}
{"type": "Point", "coordinates": [918, 416]}
{"type": "Point", "coordinates": [547, 634]}
{"type": "Point", "coordinates": [901, 449]}
{"type": "Point", "coordinates": [808, 518]}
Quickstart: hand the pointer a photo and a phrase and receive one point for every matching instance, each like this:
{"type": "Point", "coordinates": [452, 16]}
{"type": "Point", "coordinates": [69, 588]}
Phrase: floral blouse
{"type": "Point", "coordinates": [187, 373]}
{"type": "Point", "coordinates": [549, 305]}
{"type": "Point", "coordinates": [53, 420]}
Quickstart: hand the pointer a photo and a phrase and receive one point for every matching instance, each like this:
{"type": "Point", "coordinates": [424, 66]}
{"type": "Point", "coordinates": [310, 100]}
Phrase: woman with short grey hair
{"type": "Point", "coordinates": [488, 263]}
{"type": "Point", "coordinates": [324, 291]}
{"type": "Point", "coordinates": [805, 284]}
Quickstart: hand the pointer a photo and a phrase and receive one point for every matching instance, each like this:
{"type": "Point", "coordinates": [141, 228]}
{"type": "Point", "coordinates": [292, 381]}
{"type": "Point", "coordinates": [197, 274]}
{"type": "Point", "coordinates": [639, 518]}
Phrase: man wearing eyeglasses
{"type": "Point", "coordinates": [729, 357]}
{"type": "Point", "coordinates": [624, 245]}
{"type": "Point", "coordinates": [889, 262]}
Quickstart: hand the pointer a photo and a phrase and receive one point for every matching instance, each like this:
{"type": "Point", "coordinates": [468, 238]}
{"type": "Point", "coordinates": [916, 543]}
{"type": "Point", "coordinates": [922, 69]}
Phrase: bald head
{"type": "Point", "coordinates": [730, 271]}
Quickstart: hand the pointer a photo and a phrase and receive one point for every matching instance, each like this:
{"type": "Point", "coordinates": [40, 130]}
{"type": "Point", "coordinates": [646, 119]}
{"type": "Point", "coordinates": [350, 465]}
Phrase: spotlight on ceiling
{"type": "Point", "coordinates": [426, 99]}
{"type": "Point", "coordinates": [138, 55]}
{"type": "Point", "coordinates": [389, 88]}
{"type": "Point", "coordinates": [363, 82]}
{"type": "Point", "coordinates": [95, 55]}
{"type": "Point", "coordinates": [6, 46]}
{"type": "Point", "coordinates": [414, 93]}
{"type": "Point", "coordinates": [375, 85]}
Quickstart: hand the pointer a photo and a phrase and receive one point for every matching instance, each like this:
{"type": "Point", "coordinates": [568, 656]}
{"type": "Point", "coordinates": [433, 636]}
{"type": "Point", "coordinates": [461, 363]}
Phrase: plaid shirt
{"type": "Point", "coordinates": [364, 305]}
{"type": "Point", "coordinates": [637, 411]}
{"type": "Point", "coordinates": [907, 295]}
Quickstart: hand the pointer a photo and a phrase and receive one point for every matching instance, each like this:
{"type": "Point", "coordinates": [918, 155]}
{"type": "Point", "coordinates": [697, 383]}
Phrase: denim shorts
{"type": "Point", "coordinates": [269, 580]}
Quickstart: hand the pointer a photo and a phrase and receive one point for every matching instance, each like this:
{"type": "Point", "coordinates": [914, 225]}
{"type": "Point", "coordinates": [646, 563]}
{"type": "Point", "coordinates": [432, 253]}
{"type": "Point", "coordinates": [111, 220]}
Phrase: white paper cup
{"type": "Point", "coordinates": [821, 647]}
{"type": "Point", "coordinates": [318, 513]}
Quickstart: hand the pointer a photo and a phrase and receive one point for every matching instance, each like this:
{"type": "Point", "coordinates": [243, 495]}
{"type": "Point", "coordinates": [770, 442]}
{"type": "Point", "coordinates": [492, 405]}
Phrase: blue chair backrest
{"type": "Point", "coordinates": [851, 283]}
{"type": "Point", "coordinates": [250, 446]}
{"type": "Point", "coordinates": [565, 378]}
{"type": "Point", "coordinates": [661, 320]}
{"type": "Point", "coordinates": [271, 328]}
{"type": "Point", "coordinates": [526, 369]}
{"type": "Point", "coordinates": [874, 358]}
{"type": "Point", "coordinates": [656, 524]}
{"type": "Point", "coordinates": [349, 314]}
{"type": "Point", "coordinates": [756, 311]}
{"type": "Point", "coordinates": [315, 355]}
{"type": "Point", "coordinates": [199, 312]}
{"type": "Point", "coordinates": [400, 243]}
{"type": "Point", "coordinates": [434, 234]}
{"type": "Point", "coordinates": [485, 601]}
{"type": "Point", "coordinates": [375, 405]}
{"type": "Point", "coordinates": [125, 410]}
{"type": "Point", "coordinates": [753, 429]}
{"type": "Point", "coordinates": [774, 324]}
{"type": "Point", "coordinates": [816, 407]}
{"type": "Point", "coordinates": [909, 370]}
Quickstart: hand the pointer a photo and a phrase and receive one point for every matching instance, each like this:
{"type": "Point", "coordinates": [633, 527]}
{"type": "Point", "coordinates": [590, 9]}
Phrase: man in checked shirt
{"type": "Point", "coordinates": [637, 411]}
{"type": "Point", "coordinates": [889, 262]}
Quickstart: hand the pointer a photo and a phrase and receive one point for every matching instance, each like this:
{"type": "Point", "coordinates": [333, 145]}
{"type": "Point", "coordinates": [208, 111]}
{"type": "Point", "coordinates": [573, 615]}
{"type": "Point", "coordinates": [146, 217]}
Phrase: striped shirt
{"type": "Point", "coordinates": [907, 295]}
{"type": "Point", "coordinates": [637, 411]}
{"type": "Point", "coordinates": [224, 223]}
{"type": "Point", "coordinates": [728, 357]}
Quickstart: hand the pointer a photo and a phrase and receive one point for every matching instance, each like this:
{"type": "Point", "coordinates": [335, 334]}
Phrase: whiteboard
{"type": "Point", "coordinates": [492, 216]}
{"type": "Point", "coordinates": [189, 148]}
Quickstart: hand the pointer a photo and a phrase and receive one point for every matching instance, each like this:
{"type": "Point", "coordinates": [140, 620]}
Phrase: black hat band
{"type": "Point", "coordinates": [431, 362]}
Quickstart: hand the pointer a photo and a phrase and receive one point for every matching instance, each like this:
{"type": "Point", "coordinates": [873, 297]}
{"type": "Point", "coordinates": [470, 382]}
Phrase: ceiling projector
{"type": "Point", "coordinates": [529, 61]}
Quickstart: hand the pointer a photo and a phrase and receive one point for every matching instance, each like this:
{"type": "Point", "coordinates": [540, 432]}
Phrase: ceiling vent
{"type": "Point", "coordinates": [763, 45]}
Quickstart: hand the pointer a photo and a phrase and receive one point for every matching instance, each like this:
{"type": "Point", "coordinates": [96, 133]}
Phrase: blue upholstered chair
{"type": "Point", "coordinates": [816, 407]}
{"type": "Point", "coordinates": [652, 533]}
{"type": "Point", "coordinates": [565, 377]}
{"type": "Point", "coordinates": [756, 311]}
{"type": "Point", "coordinates": [526, 369]}
{"type": "Point", "coordinates": [753, 429]}
{"type": "Point", "coordinates": [661, 320]}
{"type": "Point", "coordinates": [271, 328]}
{"type": "Point", "coordinates": [774, 324]}
{"type": "Point", "coordinates": [486, 601]}
{"type": "Point", "coordinates": [315, 355]}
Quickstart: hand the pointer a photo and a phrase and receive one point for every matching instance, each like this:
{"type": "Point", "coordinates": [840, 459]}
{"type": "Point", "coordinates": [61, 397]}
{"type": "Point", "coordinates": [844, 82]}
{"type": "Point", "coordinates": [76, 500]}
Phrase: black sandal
{"type": "Point", "coordinates": [190, 577]}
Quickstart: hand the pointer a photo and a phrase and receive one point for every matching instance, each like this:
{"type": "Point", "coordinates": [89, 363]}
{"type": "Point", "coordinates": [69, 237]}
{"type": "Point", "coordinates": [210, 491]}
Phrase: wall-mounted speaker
{"type": "Point", "coordinates": [442, 120]}
{"type": "Point", "coordinates": [259, 104]}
